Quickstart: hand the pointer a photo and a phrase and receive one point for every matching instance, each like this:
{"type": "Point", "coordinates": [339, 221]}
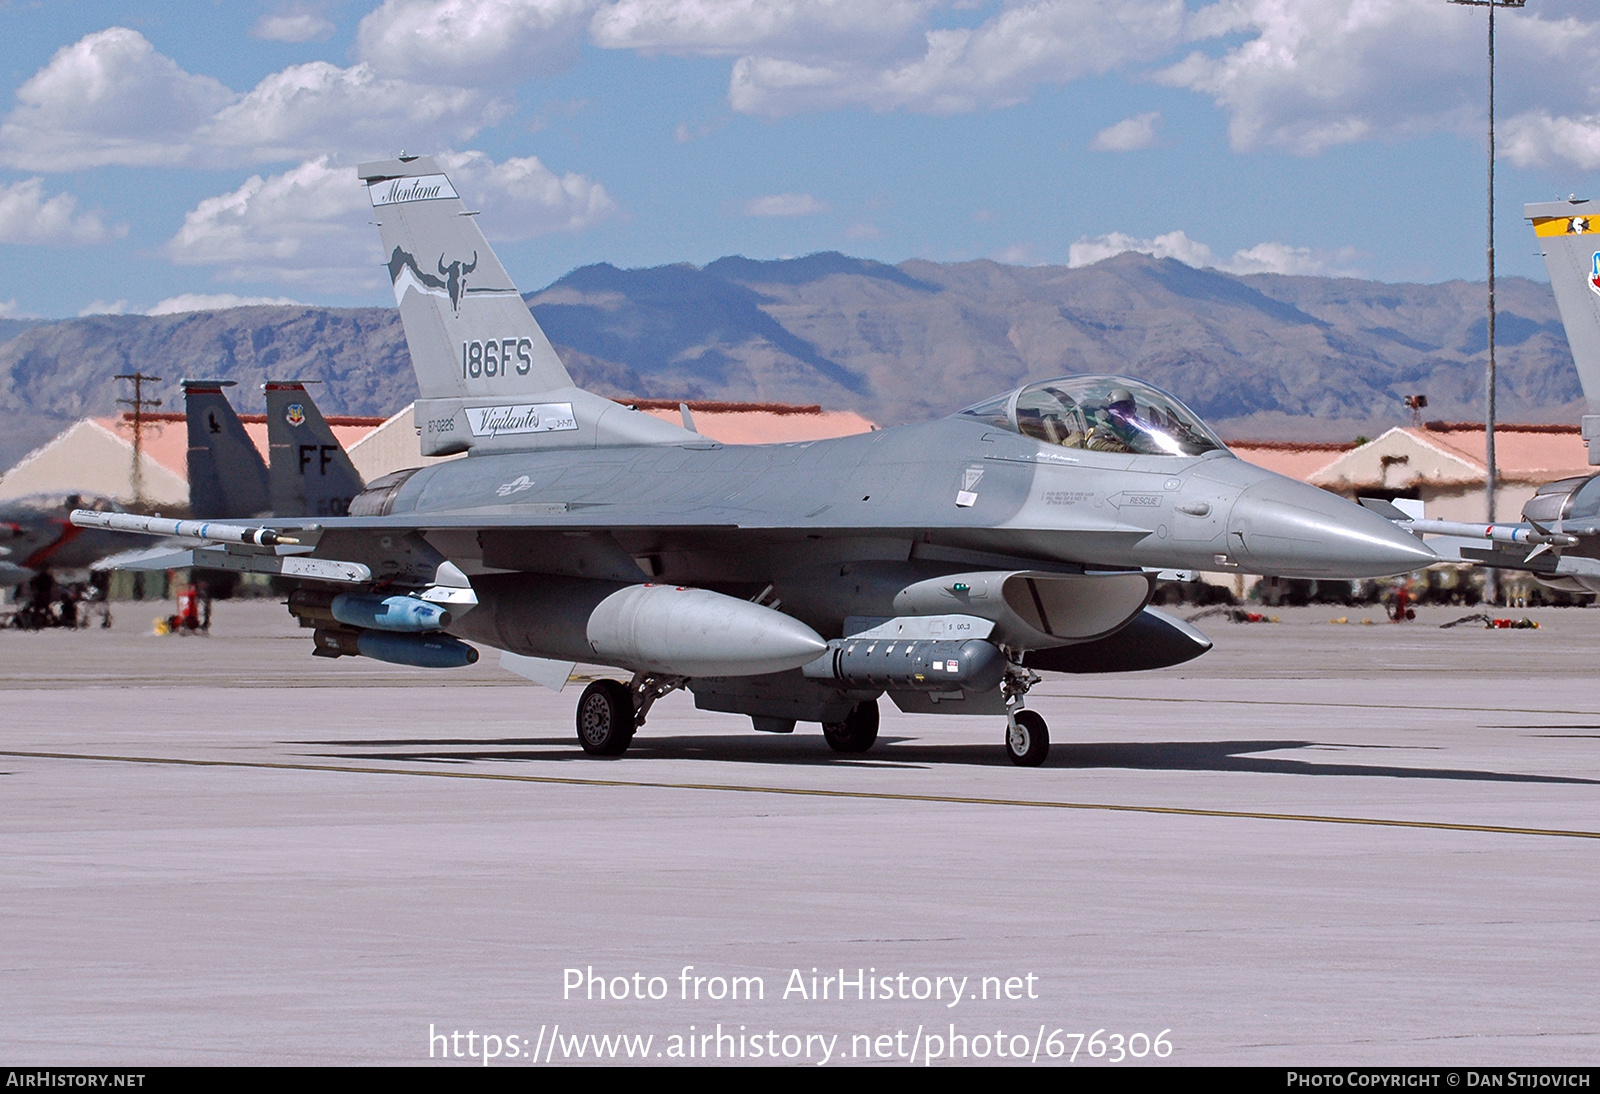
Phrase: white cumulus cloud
{"type": "Point", "coordinates": [1178, 245]}
{"type": "Point", "coordinates": [819, 29]}
{"type": "Point", "coordinates": [101, 307]}
{"type": "Point", "coordinates": [10, 309]}
{"type": "Point", "coordinates": [312, 108]}
{"type": "Point", "coordinates": [470, 42]}
{"type": "Point", "coordinates": [1537, 139]}
{"type": "Point", "coordinates": [108, 98]}
{"type": "Point", "coordinates": [307, 226]}
{"type": "Point", "coordinates": [1281, 258]}
{"type": "Point", "coordinates": [1268, 257]}
{"type": "Point", "coordinates": [1310, 74]}
{"type": "Point", "coordinates": [310, 226]}
{"type": "Point", "coordinates": [27, 216]}
{"type": "Point", "coordinates": [784, 205]}
{"type": "Point", "coordinates": [1128, 135]}
{"type": "Point", "coordinates": [996, 64]}
{"type": "Point", "coordinates": [522, 198]}
{"type": "Point", "coordinates": [189, 301]}
{"type": "Point", "coordinates": [301, 26]}
{"type": "Point", "coordinates": [111, 98]}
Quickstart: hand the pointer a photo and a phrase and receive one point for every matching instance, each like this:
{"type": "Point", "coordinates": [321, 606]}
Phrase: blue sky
{"type": "Point", "coordinates": [168, 155]}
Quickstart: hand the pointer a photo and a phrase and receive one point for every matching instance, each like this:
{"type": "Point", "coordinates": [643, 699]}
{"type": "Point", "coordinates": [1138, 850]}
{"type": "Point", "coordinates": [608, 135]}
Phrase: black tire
{"type": "Point", "coordinates": [605, 718]}
{"type": "Point", "coordinates": [1028, 740]}
{"type": "Point", "coordinates": [858, 732]}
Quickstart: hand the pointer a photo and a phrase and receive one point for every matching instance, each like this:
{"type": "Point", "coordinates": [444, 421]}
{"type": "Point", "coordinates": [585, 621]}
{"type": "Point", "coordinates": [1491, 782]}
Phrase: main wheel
{"type": "Point", "coordinates": [1027, 739]}
{"type": "Point", "coordinates": [857, 732]}
{"type": "Point", "coordinates": [605, 718]}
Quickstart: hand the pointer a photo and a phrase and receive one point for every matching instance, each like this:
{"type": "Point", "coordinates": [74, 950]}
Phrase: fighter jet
{"type": "Point", "coordinates": [37, 535]}
{"type": "Point", "coordinates": [39, 542]}
{"type": "Point", "coordinates": [1558, 538]}
{"type": "Point", "coordinates": [310, 474]}
{"type": "Point", "coordinates": [942, 564]}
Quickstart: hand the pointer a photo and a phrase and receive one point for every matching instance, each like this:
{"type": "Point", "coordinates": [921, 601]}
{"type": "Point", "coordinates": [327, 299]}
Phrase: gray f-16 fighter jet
{"type": "Point", "coordinates": [939, 564]}
{"type": "Point", "coordinates": [1558, 539]}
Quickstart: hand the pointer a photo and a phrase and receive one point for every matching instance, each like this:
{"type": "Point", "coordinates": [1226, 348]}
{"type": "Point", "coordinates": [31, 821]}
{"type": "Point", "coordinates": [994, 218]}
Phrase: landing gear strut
{"type": "Point", "coordinates": [857, 732]}
{"type": "Point", "coordinates": [1027, 735]}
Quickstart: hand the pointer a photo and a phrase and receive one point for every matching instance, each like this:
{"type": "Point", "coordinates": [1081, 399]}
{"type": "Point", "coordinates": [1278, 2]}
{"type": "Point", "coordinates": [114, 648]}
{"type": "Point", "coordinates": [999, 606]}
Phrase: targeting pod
{"type": "Point", "coordinates": [898, 664]}
{"type": "Point", "coordinates": [423, 651]}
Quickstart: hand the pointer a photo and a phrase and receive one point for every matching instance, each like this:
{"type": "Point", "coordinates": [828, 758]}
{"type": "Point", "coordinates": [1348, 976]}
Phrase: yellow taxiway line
{"type": "Point", "coordinates": [863, 795]}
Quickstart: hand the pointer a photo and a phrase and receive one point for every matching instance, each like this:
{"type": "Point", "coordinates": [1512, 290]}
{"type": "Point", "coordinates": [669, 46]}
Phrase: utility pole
{"type": "Point", "coordinates": [138, 403]}
{"type": "Point", "coordinates": [1491, 578]}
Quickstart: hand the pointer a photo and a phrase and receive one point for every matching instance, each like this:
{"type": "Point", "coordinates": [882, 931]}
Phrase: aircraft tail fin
{"type": "Point", "coordinates": [487, 377]}
{"type": "Point", "coordinates": [227, 477]}
{"type": "Point", "coordinates": [1569, 237]}
{"type": "Point", "coordinates": [310, 473]}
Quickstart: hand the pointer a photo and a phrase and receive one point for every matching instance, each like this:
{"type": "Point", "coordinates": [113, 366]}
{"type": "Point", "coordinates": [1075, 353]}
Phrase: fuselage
{"type": "Point", "coordinates": [948, 492]}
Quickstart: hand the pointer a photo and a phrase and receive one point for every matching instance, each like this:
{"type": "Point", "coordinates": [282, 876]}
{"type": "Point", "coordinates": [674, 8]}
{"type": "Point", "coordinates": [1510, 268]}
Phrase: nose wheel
{"type": "Point", "coordinates": [1027, 739]}
{"type": "Point", "coordinates": [1027, 736]}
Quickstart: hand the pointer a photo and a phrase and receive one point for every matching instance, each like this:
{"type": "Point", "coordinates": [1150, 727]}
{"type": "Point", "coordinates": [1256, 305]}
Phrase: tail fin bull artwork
{"type": "Point", "coordinates": [942, 565]}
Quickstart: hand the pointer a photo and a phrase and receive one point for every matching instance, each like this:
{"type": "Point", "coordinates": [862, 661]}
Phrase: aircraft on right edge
{"type": "Point", "coordinates": [1558, 540]}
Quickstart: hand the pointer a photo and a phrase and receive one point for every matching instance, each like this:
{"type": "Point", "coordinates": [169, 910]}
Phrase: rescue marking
{"type": "Point", "coordinates": [866, 795]}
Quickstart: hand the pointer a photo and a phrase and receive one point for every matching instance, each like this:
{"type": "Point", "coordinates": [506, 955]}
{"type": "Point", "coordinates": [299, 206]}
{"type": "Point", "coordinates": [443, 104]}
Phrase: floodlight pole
{"type": "Point", "coordinates": [1491, 476]}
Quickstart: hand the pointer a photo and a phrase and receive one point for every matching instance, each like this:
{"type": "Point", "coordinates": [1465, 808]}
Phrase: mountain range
{"type": "Point", "coordinates": [1258, 356]}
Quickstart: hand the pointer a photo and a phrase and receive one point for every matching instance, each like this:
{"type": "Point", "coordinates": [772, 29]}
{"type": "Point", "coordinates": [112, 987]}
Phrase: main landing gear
{"type": "Point", "coordinates": [609, 711]}
{"type": "Point", "coordinates": [606, 718]}
{"type": "Point", "coordinates": [857, 732]}
{"type": "Point", "coordinates": [1027, 735]}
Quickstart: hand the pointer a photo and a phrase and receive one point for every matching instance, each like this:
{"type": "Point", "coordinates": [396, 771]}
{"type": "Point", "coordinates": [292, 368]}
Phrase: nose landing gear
{"type": "Point", "coordinates": [1027, 735]}
{"type": "Point", "coordinates": [1027, 738]}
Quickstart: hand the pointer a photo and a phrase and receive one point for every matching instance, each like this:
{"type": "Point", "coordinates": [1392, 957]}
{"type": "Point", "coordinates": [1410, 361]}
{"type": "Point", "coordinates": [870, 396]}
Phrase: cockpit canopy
{"type": "Point", "coordinates": [1100, 414]}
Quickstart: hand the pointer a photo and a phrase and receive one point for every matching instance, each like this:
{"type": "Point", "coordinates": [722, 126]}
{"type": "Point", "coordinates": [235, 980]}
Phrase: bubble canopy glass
{"type": "Point", "coordinates": [1100, 414]}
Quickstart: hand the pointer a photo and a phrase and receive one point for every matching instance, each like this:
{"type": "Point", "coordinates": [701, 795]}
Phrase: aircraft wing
{"type": "Point", "coordinates": [1536, 548]}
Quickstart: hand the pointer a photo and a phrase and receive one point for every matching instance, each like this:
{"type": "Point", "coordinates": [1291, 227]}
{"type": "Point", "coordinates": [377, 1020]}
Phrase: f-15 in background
{"type": "Point", "coordinates": [50, 559]}
{"type": "Point", "coordinates": [1558, 539]}
{"type": "Point", "coordinates": [941, 564]}
{"type": "Point", "coordinates": [308, 472]}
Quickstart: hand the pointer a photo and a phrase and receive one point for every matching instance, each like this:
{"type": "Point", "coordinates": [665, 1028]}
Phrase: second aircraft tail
{"type": "Point", "coordinates": [227, 477]}
{"type": "Point", "coordinates": [1569, 237]}
{"type": "Point", "coordinates": [310, 473]}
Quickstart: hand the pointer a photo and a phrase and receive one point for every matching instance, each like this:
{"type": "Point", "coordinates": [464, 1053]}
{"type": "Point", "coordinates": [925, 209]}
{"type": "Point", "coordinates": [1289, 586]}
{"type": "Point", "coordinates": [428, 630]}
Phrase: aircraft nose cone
{"type": "Point", "coordinates": [1289, 529]}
